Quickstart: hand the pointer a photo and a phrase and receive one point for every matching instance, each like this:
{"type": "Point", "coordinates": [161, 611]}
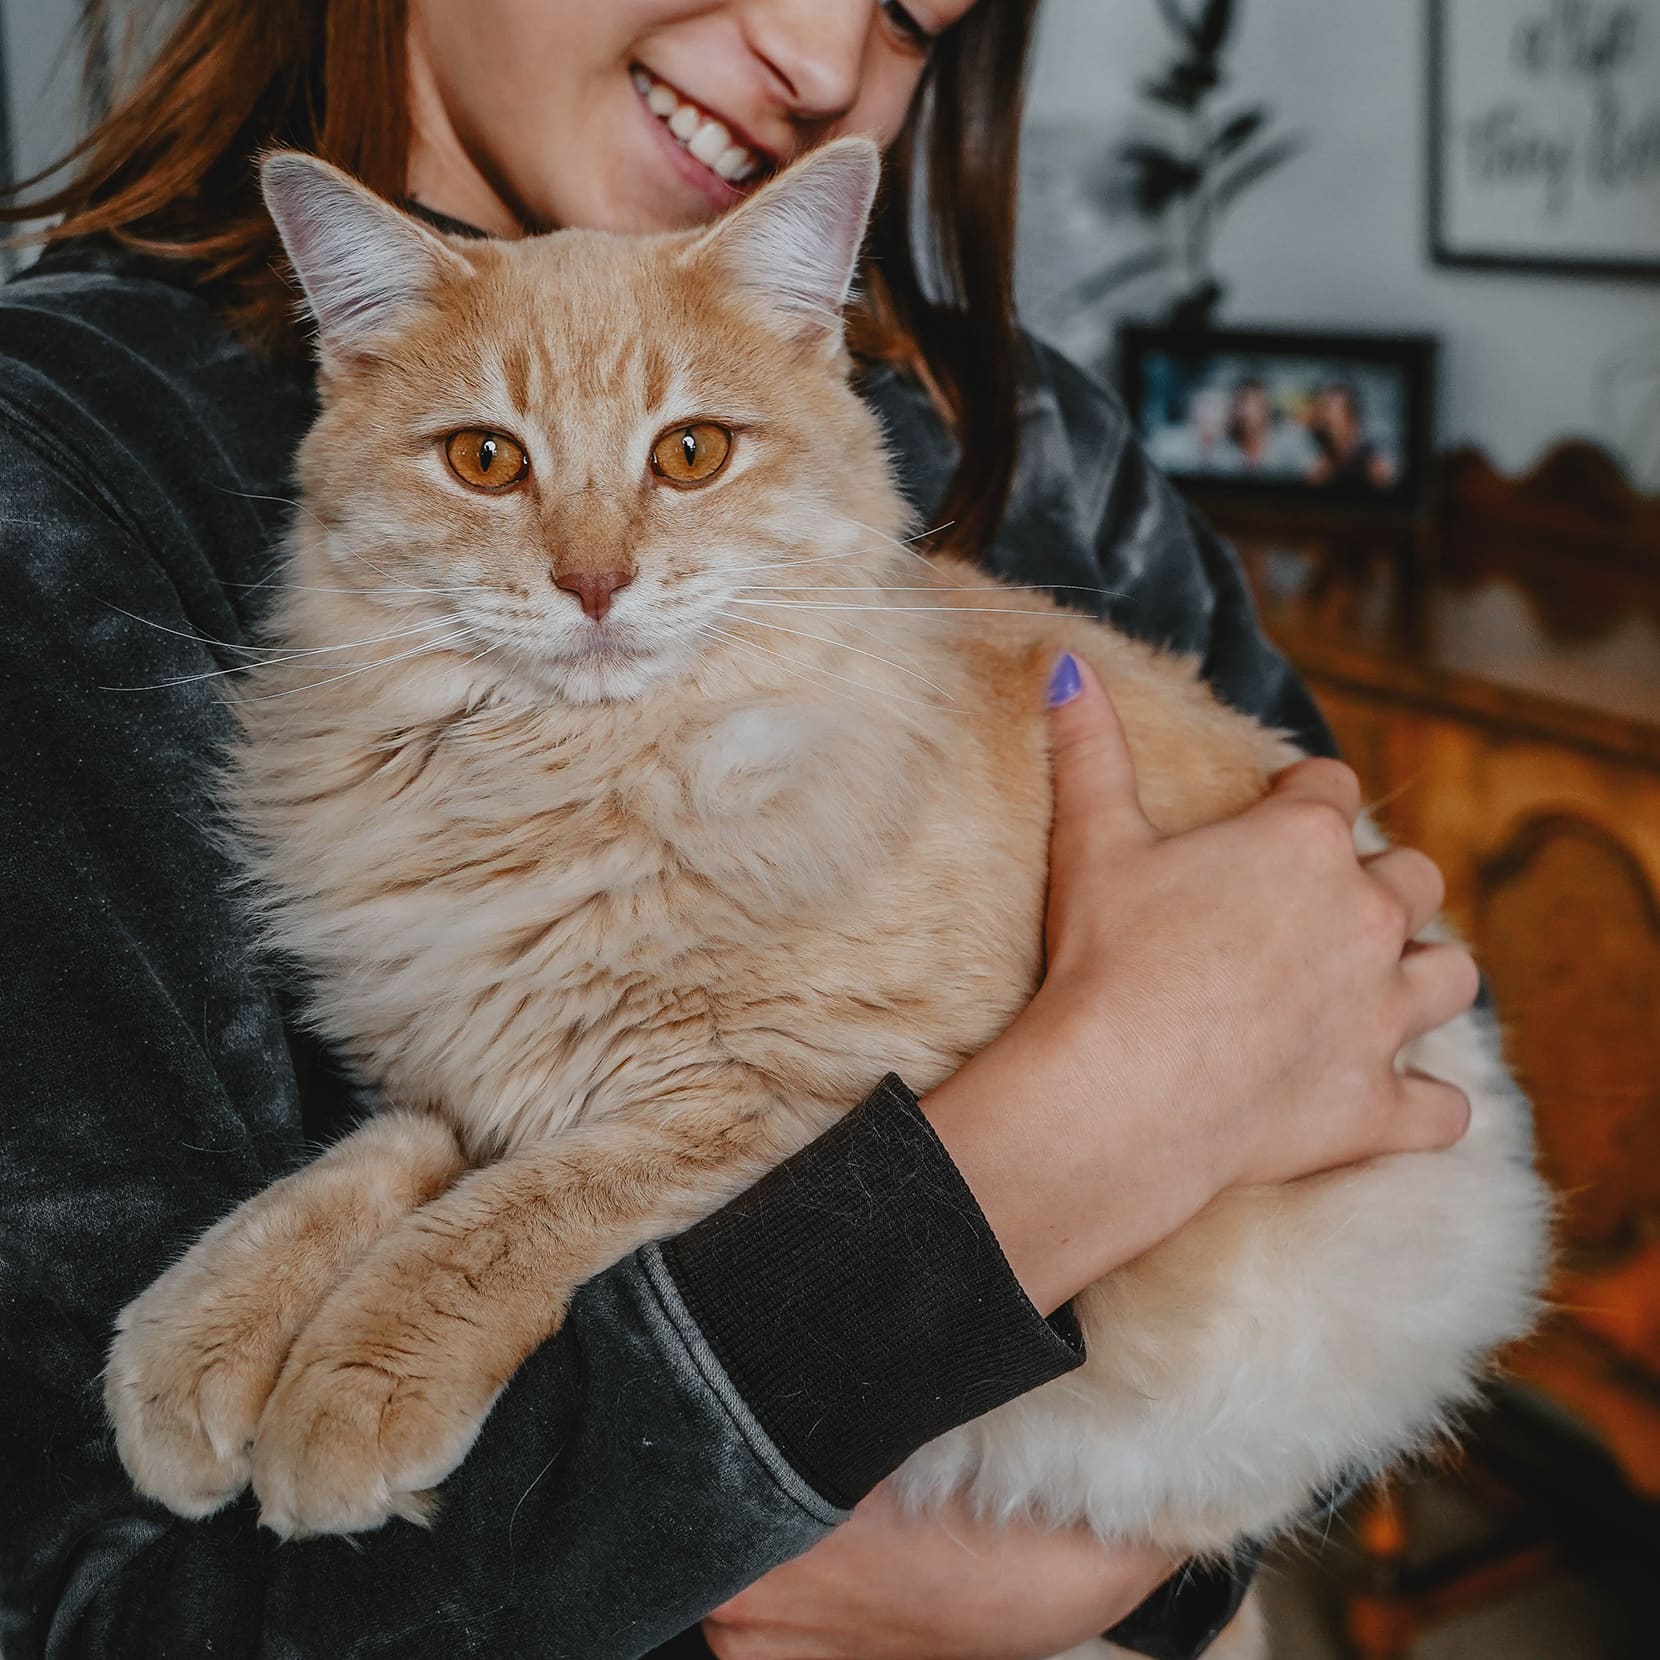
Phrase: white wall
{"type": "Point", "coordinates": [1338, 237]}
{"type": "Point", "coordinates": [43, 67]}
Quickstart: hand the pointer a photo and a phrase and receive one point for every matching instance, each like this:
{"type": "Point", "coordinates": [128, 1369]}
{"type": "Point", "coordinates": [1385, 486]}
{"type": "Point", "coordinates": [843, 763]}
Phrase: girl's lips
{"type": "Point", "coordinates": [712, 188]}
{"type": "Point", "coordinates": [752, 163]}
{"type": "Point", "coordinates": [666, 99]}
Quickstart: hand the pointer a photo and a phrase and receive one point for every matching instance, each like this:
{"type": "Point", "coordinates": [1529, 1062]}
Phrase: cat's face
{"type": "Point", "coordinates": [587, 457]}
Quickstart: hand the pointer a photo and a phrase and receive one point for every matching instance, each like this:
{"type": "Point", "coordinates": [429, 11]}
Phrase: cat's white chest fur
{"type": "Point", "coordinates": [507, 916]}
{"type": "Point", "coordinates": [744, 758]}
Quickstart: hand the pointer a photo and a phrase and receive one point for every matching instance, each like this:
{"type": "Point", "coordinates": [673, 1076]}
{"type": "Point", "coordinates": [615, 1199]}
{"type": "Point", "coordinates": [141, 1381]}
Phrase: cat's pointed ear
{"type": "Point", "coordinates": [363, 264]}
{"type": "Point", "coordinates": [795, 243]}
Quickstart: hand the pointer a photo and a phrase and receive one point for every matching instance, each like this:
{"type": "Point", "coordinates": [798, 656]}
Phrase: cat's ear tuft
{"type": "Point", "coordinates": [363, 264]}
{"type": "Point", "coordinates": [795, 243]}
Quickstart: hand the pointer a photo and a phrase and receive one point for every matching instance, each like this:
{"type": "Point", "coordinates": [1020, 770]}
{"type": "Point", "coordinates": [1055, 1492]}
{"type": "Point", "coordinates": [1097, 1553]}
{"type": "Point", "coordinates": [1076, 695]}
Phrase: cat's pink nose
{"type": "Point", "coordinates": [594, 587]}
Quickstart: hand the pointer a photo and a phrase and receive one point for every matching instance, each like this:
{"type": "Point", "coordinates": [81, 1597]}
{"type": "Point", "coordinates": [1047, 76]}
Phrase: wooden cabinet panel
{"type": "Point", "coordinates": [1552, 859]}
{"type": "Point", "coordinates": [1386, 747]}
{"type": "Point", "coordinates": [1568, 928]}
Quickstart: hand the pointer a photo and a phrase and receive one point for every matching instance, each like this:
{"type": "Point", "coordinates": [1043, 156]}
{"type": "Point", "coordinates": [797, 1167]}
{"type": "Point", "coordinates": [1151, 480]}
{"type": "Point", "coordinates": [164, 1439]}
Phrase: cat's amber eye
{"type": "Point", "coordinates": [486, 460]}
{"type": "Point", "coordinates": [691, 454]}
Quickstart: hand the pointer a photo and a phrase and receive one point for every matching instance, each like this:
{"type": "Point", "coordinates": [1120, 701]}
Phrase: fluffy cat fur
{"type": "Point", "coordinates": [621, 915]}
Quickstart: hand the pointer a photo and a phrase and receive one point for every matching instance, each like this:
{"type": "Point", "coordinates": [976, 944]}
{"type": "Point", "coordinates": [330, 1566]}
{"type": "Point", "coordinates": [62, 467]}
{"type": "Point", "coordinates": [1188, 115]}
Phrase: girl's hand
{"type": "Point", "coordinates": [888, 1586]}
{"type": "Point", "coordinates": [1223, 1006]}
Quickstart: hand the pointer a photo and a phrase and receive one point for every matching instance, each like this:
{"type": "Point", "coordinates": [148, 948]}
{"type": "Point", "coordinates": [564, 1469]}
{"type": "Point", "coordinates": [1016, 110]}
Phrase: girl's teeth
{"type": "Point", "coordinates": [731, 162]}
{"type": "Point", "coordinates": [710, 142]}
{"type": "Point", "coordinates": [706, 139]}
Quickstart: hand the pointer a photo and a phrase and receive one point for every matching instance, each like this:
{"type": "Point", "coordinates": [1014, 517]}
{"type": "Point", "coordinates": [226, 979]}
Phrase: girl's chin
{"type": "Point", "coordinates": [638, 198]}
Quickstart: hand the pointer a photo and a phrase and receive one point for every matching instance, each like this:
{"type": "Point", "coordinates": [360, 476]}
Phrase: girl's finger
{"type": "Point", "coordinates": [1441, 981]}
{"type": "Point", "coordinates": [1430, 1115]}
{"type": "Point", "coordinates": [1414, 879]}
{"type": "Point", "coordinates": [1095, 789]}
{"type": "Point", "coordinates": [1322, 780]}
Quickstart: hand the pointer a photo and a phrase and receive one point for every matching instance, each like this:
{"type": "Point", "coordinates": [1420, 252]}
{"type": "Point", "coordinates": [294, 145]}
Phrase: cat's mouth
{"type": "Point", "coordinates": [600, 642]}
{"type": "Point", "coordinates": [702, 135]}
{"type": "Point", "coordinates": [598, 663]}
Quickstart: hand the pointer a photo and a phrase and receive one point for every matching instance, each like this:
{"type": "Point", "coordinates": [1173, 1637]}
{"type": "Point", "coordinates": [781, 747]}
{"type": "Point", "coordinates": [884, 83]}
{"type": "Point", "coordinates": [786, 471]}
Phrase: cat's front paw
{"type": "Point", "coordinates": [196, 1356]}
{"type": "Point", "coordinates": [188, 1376]}
{"type": "Point", "coordinates": [380, 1399]}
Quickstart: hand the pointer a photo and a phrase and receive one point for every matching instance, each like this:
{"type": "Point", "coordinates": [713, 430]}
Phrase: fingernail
{"type": "Point", "coordinates": [1064, 681]}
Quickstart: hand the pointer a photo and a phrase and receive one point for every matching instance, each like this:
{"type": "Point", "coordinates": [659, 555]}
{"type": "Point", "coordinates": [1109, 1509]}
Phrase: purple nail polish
{"type": "Point", "coordinates": [1064, 681]}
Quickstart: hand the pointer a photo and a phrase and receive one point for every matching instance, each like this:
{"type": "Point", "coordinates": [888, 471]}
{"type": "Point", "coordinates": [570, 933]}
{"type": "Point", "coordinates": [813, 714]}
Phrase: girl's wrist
{"type": "Point", "coordinates": [1065, 1171]}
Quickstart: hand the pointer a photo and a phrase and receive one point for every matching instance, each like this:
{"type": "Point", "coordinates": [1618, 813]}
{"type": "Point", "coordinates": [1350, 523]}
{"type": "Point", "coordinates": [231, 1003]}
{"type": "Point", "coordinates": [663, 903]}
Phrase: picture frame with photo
{"type": "Point", "coordinates": [1301, 419]}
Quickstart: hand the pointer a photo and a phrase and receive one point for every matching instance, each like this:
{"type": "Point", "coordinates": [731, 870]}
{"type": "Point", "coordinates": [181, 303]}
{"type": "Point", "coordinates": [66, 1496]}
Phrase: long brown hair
{"type": "Point", "coordinates": [168, 170]}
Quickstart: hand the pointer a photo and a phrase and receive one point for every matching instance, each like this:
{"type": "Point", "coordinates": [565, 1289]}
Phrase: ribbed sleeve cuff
{"type": "Point", "coordinates": [1189, 1611]}
{"type": "Point", "coordinates": [858, 1300]}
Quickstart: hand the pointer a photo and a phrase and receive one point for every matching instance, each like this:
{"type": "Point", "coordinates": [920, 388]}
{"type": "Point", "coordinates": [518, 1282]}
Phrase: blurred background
{"type": "Point", "coordinates": [1380, 280]}
{"type": "Point", "coordinates": [1337, 234]}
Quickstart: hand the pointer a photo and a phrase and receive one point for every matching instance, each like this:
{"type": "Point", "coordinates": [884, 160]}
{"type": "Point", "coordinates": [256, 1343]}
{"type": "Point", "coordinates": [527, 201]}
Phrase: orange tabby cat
{"type": "Point", "coordinates": [623, 884]}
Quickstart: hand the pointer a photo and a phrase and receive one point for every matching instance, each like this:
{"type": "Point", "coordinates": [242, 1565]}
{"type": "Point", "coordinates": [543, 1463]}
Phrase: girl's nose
{"type": "Point", "coordinates": [814, 50]}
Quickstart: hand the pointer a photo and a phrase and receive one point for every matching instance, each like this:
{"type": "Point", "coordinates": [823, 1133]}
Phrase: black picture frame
{"type": "Point", "coordinates": [1443, 250]}
{"type": "Point", "coordinates": [1151, 357]}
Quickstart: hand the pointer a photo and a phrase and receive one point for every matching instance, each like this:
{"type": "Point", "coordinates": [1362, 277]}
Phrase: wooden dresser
{"type": "Point", "coordinates": [1496, 683]}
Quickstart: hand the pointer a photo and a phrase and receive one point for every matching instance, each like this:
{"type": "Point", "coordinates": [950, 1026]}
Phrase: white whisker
{"type": "Point", "coordinates": [930, 588]}
{"type": "Point", "coordinates": [902, 547]}
{"type": "Point", "coordinates": [825, 605]}
{"type": "Point", "coordinates": [842, 645]}
{"type": "Point", "coordinates": [795, 672]}
{"type": "Point", "coordinates": [197, 639]}
{"type": "Point", "coordinates": [282, 501]}
{"type": "Point", "coordinates": [367, 593]}
{"type": "Point", "coordinates": [851, 553]}
{"type": "Point", "coordinates": [796, 666]}
{"type": "Point", "coordinates": [352, 645]}
{"type": "Point", "coordinates": [361, 558]}
{"type": "Point", "coordinates": [427, 648]}
{"type": "Point", "coordinates": [932, 531]}
{"type": "Point", "coordinates": [267, 662]}
{"type": "Point", "coordinates": [791, 564]}
{"type": "Point", "coordinates": [334, 542]}
{"type": "Point", "coordinates": [792, 666]}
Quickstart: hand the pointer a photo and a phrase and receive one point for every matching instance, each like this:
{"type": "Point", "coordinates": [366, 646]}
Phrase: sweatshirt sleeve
{"type": "Point", "coordinates": [876, 1224]}
{"type": "Point", "coordinates": [643, 1466]}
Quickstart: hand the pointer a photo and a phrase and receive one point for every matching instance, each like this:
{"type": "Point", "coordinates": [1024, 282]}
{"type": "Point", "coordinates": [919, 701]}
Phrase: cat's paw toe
{"type": "Point", "coordinates": [348, 1442]}
{"type": "Point", "coordinates": [305, 1491]}
{"type": "Point", "coordinates": [184, 1413]}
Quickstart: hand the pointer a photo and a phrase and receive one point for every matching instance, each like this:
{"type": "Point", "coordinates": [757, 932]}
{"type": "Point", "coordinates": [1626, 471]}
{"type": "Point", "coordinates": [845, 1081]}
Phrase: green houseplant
{"type": "Point", "coordinates": [1190, 170]}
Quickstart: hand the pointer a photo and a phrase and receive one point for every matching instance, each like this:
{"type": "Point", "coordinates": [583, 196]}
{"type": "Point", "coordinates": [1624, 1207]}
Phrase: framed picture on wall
{"type": "Point", "coordinates": [1544, 135]}
{"type": "Point", "coordinates": [1288, 419]}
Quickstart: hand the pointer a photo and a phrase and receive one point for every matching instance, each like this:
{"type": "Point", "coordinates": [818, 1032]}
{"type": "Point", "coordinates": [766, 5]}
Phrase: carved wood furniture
{"type": "Point", "coordinates": [1496, 682]}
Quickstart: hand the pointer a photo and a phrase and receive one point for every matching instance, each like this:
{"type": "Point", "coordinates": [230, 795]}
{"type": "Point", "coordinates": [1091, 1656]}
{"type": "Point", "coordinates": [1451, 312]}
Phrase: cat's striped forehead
{"type": "Point", "coordinates": [576, 324]}
{"type": "Point", "coordinates": [630, 369]}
